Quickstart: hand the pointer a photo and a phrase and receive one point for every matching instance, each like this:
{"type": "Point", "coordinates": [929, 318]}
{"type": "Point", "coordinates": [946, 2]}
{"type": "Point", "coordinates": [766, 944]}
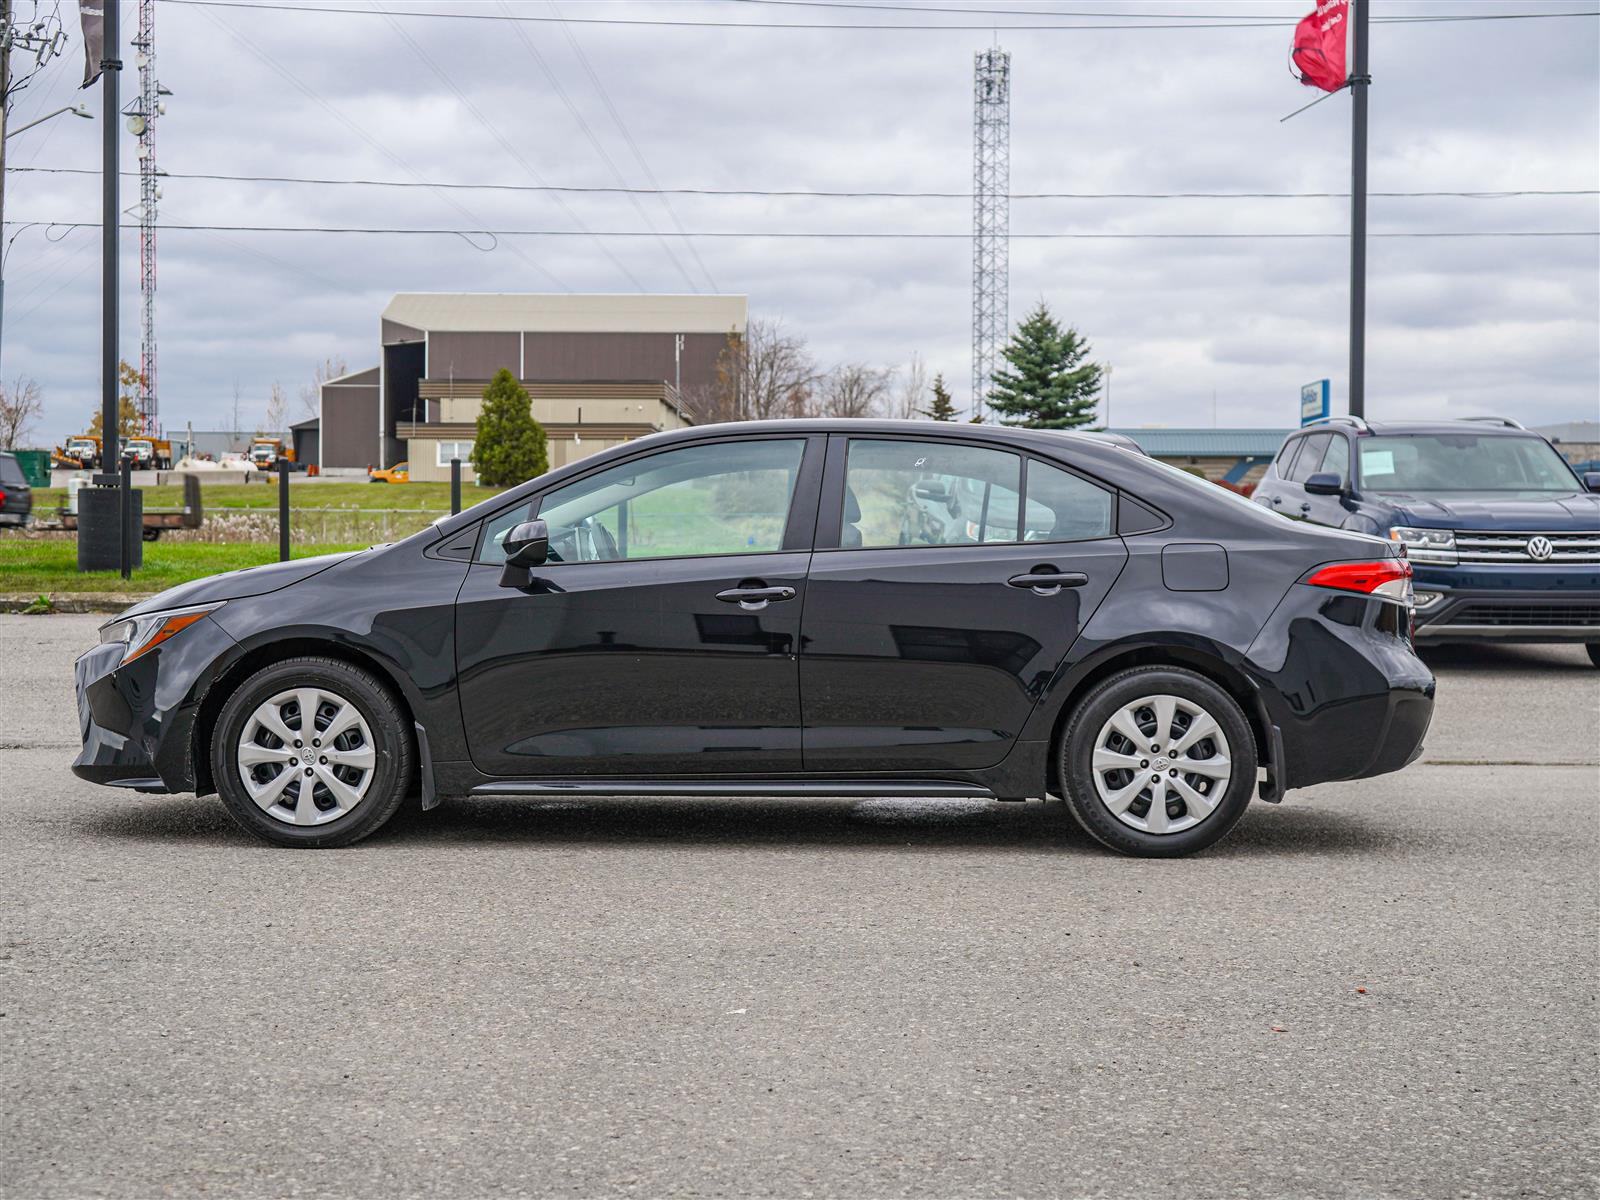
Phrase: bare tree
{"type": "Point", "coordinates": [20, 406]}
{"type": "Point", "coordinates": [766, 374]}
{"type": "Point", "coordinates": [311, 394]}
{"type": "Point", "coordinates": [853, 390]}
{"type": "Point", "coordinates": [908, 396]}
{"type": "Point", "coordinates": [277, 410]}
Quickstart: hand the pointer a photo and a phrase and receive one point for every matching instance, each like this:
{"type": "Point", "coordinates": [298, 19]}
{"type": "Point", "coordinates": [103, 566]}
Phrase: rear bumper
{"type": "Point", "coordinates": [1344, 687]}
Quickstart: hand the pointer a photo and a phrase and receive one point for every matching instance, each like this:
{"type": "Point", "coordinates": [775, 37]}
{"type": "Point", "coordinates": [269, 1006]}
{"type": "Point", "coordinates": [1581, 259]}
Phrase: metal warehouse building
{"type": "Point", "coordinates": [600, 369]}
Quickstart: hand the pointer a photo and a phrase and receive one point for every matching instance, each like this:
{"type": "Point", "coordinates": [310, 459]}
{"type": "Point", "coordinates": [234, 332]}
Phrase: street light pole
{"type": "Point", "coordinates": [110, 214]}
{"type": "Point", "coordinates": [1360, 81]}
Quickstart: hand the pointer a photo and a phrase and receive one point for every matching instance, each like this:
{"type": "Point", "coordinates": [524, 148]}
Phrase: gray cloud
{"type": "Point", "coordinates": [1457, 326]}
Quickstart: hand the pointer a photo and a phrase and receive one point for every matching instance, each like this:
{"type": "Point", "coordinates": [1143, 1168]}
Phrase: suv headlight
{"type": "Point", "coordinates": [148, 630]}
{"type": "Point", "coordinates": [1426, 545]}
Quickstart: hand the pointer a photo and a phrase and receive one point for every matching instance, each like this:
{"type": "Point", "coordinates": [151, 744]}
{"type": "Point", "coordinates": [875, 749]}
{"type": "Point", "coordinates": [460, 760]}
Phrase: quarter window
{"type": "Point", "coordinates": [1063, 507]}
{"type": "Point", "coordinates": [723, 498]}
{"type": "Point", "coordinates": [1310, 457]}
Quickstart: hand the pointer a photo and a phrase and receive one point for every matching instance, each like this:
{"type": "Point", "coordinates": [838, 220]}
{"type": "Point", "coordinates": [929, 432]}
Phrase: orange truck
{"type": "Point", "coordinates": [148, 453]}
{"type": "Point", "coordinates": [81, 453]}
{"type": "Point", "coordinates": [266, 451]}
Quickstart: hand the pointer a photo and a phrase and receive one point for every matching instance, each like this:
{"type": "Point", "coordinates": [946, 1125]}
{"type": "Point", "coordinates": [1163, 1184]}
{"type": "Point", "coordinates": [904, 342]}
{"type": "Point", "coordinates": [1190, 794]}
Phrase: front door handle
{"type": "Point", "coordinates": [752, 598]}
{"type": "Point", "coordinates": [1047, 581]}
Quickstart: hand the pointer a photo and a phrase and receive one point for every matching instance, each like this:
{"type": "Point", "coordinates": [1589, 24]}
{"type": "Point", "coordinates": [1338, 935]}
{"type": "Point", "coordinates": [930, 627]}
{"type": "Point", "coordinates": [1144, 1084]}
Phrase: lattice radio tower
{"type": "Point", "coordinates": [141, 122]}
{"type": "Point", "coordinates": [991, 216]}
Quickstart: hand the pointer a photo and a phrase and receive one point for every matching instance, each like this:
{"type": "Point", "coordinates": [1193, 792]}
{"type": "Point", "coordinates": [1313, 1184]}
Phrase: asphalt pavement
{"type": "Point", "coordinates": [1383, 988]}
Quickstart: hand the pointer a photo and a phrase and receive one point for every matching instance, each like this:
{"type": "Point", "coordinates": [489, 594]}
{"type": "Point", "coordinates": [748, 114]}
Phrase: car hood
{"type": "Point", "coordinates": [1521, 512]}
{"type": "Point", "coordinates": [235, 585]}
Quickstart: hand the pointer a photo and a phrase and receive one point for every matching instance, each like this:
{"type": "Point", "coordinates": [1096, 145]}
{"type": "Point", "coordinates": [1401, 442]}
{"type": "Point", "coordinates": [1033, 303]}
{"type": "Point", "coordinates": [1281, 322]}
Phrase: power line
{"type": "Point", "coordinates": [987, 26]}
{"type": "Point", "coordinates": [836, 5]}
{"type": "Point", "coordinates": [627, 136]}
{"type": "Point", "coordinates": [823, 194]}
{"type": "Point", "coordinates": [896, 235]}
{"type": "Point", "coordinates": [500, 138]}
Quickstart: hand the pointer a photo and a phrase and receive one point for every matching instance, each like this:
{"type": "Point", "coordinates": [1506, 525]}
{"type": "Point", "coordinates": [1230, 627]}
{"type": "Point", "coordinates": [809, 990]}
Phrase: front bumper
{"type": "Point", "coordinates": [137, 720]}
{"type": "Point", "coordinates": [1552, 603]}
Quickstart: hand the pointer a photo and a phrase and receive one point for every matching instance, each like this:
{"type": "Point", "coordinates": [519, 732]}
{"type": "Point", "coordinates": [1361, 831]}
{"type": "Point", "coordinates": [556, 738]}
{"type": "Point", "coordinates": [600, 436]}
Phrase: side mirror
{"type": "Point", "coordinates": [931, 490]}
{"type": "Point", "coordinates": [528, 545]}
{"type": "Point", "coordinates": [1325, 483]}
{"type": "Point", "coordinates": [1591, 480]}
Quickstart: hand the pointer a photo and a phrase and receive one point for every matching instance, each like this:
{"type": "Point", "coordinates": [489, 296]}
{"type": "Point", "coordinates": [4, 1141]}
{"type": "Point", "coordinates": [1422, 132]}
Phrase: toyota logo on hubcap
{"type": "Point", "coordinates": [1540, 548]}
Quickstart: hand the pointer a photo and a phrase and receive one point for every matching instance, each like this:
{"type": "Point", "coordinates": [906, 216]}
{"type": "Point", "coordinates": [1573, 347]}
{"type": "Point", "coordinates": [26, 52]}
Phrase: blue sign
{"type": "Point", "coordinates": [1313, 401]}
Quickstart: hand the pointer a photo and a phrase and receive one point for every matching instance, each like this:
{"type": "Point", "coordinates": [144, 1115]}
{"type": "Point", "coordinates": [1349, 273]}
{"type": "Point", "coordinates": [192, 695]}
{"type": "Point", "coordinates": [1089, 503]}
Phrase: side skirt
{"type": "Point", "coordinates": [750, 786]}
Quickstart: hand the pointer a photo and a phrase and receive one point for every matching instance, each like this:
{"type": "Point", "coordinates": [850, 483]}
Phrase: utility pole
{"type": "Point", "coordinates": [1360, 81]}
{"type": "Point", "coordinates": [5, 112]}
{"type": "Point", "coordinates": [991, 217]}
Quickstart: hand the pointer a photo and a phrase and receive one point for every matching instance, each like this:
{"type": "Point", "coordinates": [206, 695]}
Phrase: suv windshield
{"type": "Point", "coordinates": [1463, 462]}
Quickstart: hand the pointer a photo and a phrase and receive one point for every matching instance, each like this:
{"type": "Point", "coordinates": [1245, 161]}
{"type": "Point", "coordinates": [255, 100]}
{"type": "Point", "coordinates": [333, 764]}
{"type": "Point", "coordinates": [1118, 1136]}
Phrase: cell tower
{"type": "Point", "coordinates": [991, 216]}
{"type": "Point", "coordinates": [141, 122]}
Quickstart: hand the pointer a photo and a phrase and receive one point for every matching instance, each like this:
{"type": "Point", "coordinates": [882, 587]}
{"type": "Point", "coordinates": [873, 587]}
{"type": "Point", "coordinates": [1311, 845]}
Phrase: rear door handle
{"type": "Point", "coordinates": [755, 597]}
{"type": "Point", "coordinates": [1047, 582]}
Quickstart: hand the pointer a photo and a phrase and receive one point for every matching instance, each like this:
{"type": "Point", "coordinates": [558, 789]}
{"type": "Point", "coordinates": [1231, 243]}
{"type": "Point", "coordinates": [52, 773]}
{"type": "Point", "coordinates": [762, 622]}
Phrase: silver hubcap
{"type": "Point", "coordinates": [1161, 764]}
{"type": "Point", "coordinates": [306, 756]}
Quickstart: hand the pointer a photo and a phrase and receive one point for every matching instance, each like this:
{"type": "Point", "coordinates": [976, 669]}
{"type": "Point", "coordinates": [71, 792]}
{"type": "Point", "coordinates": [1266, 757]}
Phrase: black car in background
{"type": "Point", "coordinates": [16, 497]}
{"type": "Point", "coordinates": [1503, 534]}
{"type": "Point", "coordinates": [740, 610]}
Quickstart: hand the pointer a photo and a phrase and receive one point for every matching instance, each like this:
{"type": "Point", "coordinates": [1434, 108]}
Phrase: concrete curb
{"type": "Point", "coordinates": [73, 602]}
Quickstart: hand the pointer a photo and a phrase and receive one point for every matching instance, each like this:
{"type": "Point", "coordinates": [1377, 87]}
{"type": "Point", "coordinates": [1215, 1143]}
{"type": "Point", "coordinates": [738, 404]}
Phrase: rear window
{"type": "Point", "coordinates": [11, 472]}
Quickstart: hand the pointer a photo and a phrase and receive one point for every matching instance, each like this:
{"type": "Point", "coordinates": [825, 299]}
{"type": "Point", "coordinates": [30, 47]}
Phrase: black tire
{"type": "Point", "coordinates": [1594, 652]}
{"type": "Point", "coordinates": [390, 729]}
{"type": "Point", "coordinates": [1075, 752]}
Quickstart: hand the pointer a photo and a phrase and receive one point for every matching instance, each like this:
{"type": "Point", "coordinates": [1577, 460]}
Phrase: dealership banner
{"type": "Point", "coordinates": [92, 13]}
{"type": "Point", "coordinates": [1318, 51]}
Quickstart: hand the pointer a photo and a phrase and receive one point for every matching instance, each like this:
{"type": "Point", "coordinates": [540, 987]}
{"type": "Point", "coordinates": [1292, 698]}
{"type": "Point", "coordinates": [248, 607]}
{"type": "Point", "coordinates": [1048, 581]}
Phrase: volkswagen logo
{"type": "Point", "coordinates": [1540, 548]}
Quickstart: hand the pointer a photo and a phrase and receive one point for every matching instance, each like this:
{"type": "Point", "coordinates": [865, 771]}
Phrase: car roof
{"type": "Point", "coordinates": [1489, 427]}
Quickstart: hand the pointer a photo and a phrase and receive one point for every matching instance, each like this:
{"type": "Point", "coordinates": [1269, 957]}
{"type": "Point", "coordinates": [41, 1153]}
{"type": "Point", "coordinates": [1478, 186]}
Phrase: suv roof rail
{"type": "Point", "coordinates": [1342, 420]}
{"type": "Point", "coordinates": [1506, 421]}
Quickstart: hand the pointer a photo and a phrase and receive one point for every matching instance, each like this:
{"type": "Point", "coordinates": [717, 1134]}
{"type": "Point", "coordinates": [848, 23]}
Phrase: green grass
{"type": "Point", "coordinates": [50, 565]}
{"type": "Point", "coordinates": [429, 497]}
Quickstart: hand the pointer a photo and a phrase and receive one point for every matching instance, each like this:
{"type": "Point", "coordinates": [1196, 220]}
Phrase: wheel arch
{"type": "Point", "coordinates": [264, 654]}
{"type": "Point", "coordinates": [1204, 660]}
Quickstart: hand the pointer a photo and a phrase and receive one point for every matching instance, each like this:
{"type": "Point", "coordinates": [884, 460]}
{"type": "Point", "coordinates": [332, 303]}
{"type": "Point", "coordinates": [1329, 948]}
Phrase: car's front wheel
{"type": "Point", "coordinates": [1157, 762]}
{"type": "Point", "coordinates": [1594, 652]}
{"type": "Point", "coordinates": [312, 752]}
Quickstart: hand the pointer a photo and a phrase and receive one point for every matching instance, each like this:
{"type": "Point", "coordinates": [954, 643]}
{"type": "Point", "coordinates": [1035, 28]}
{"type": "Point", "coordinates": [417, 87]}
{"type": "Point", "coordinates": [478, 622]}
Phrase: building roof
{"type": "Point", "coordinates": [308, 423]}
{"type": "Point", "coordinates": [1205, 442]}
{"type": "Point", "coordinates": [513, 312]}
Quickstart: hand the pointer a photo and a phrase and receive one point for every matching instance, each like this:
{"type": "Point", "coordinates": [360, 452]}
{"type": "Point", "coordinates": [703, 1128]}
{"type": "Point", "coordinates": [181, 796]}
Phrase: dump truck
{"type": "Point", "coordinates": [148, 453]}
{"type": "Point", "coordinates": [80, 453]}
{"type": "Point", "coordinates": [266, 451]}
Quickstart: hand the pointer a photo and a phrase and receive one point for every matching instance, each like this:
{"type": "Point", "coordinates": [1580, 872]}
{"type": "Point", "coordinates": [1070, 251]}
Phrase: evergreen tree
{"type": "Point", "coordinates": [942, 408]}
{"type": "Point", "coordinates": [510, 446]}
{"type": "Point", "coordinates": [1049, 384]}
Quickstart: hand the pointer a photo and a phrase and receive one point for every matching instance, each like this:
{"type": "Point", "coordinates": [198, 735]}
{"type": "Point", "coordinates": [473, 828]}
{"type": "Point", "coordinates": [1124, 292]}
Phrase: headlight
{"type": "Point", "coordinates": [148, 630]}
{"type": "Point", "coordinates": [1426, 545]}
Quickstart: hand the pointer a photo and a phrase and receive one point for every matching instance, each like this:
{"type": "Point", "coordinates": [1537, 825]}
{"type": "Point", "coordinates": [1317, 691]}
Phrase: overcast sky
{"type": "Point", "coordinates": [1457, 326]}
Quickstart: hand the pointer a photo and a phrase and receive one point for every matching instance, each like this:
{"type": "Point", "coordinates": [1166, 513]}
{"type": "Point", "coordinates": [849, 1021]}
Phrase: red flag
{"type": "Point", "coordinates": [1319, 46]}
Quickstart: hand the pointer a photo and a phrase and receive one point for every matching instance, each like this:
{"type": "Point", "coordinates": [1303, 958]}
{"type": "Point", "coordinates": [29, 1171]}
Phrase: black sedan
{"type": "Point", "coordinates": [761, 610]}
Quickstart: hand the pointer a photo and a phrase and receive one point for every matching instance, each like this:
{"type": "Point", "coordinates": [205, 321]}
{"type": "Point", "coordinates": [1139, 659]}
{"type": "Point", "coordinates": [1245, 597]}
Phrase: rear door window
{"type": "Point", "coordinates": [907, 493]}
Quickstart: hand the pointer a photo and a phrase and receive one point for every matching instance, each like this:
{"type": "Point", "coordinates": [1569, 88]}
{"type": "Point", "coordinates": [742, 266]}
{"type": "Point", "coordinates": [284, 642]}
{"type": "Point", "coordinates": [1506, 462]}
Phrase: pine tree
{"type": "Point", "coordinates": [1049, 385]}
{"type": "Point", "coordinates": [942, 408]}
{"type": "Point", "coordinates": [510, 445]}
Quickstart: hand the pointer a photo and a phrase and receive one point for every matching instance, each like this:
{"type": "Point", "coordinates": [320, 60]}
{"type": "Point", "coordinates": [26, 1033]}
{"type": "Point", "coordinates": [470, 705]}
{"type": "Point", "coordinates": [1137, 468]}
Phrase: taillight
{"type": "Point", "coordinates": [1387, 577]}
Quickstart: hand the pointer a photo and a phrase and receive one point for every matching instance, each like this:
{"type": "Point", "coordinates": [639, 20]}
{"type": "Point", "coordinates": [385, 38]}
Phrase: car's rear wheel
{"type": "Point", "coordinates": [312, 752]}
{"type": "Point", "coordinates": [1157, 762]}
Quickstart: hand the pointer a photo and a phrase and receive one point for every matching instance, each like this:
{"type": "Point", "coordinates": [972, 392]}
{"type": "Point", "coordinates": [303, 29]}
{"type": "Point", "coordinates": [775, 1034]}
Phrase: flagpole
{"type": "Point", "coordinates": [1360, 81]}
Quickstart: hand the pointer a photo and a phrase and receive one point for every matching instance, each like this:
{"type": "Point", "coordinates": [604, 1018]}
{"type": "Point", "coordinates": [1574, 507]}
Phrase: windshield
{"type": "Point", "coordinates": [80, 444]}
{"type": "Point", "coordinates": [1463, 462]}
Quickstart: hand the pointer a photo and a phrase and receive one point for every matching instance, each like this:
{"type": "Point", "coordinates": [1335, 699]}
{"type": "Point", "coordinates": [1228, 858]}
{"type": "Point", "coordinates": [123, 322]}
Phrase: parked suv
{"type": "Point", "coordinates": [16, 497]}
{"type": "Point", "coordinates": [1503, 535]}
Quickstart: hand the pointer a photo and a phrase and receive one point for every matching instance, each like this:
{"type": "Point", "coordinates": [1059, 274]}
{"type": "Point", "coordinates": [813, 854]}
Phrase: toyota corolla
{"type": "Point", "coordinates": [772, 610]}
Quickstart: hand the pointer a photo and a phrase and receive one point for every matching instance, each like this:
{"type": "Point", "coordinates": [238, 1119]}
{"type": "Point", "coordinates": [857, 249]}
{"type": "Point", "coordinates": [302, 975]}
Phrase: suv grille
{"type": "Point", "coordinates": [1478, 546]}
{"type": "Point", "coordinates": [1526, 614]}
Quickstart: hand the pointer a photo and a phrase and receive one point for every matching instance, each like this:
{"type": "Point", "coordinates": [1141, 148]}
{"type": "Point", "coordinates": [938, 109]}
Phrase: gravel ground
{"type": "Point", "coordinates": [811, 998]}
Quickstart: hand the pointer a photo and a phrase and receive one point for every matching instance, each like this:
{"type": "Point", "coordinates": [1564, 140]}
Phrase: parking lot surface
{"type": "Point", "coordinates": [1379, 988]}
